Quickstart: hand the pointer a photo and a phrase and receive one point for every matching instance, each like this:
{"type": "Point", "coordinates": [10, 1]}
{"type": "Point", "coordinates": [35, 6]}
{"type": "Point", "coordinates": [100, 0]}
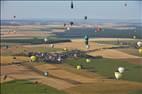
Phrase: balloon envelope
{"type": "Point", "coordinates": [68, 28]}
{"type": "Point", "coordinates": [121, 69]}
{"type": "Point", "coordinates": [78, 67]}
{"type": "Point", "coordinates": [65, 49]}
{"type": "Point", "coordinates": [88, 60]}
{"type": "Point", "coordinates": [33, 58]}
{"type": "Point", "coordinates": [45, 39]}
{"type": "Point", "coordinates": [139, 44]}
{"type": "Point", "coordinates": [118, 75]}
{"type": "Point", "coordinates": [45, 73]}
{"type": "Point", "coordinates": [140, 51]}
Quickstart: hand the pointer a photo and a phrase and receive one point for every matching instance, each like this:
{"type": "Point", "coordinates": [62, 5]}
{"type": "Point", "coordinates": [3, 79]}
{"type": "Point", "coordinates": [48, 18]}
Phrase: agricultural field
{"type": "Point", "coordinates": [65, 78]}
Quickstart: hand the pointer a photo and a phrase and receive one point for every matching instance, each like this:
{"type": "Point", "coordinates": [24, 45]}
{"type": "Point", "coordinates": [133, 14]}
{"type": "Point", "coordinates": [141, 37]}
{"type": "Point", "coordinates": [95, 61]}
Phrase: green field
{"type": "Point", "coordinates": [27, 87]}
{"type": "Point", "coordinates": [107, 67]}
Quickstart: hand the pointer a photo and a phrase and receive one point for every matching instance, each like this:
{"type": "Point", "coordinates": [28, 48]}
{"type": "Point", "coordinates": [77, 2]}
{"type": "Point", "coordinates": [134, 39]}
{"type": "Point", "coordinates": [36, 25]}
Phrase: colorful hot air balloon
{"type": "Point", "coordinates": [33, 58]}
{"type": "Point", "coordinates": [121, 69]}
{"type": "Point", "coordinates": [118, 75]}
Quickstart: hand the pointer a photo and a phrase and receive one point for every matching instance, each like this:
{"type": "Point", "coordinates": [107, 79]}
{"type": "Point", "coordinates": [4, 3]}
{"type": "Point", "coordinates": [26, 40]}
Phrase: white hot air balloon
{"type": "Point", "coordinates": [121, 69]}
{"type": "Point", "coordinates": [118, 75]}
{"type": "Point", "coordinates": [45, 73]}
{"type": "Point", "coordinates": [52, 45]}
{"type": "Point", "coordinates": [45, 39]}
{"type": "Point", "coordinates": [139, 43]}
{"type": "Point", "coordinates": [134, 37]}
{"type": "Point", "coordinates": [87, 46]}
{"type": "Point", "coordinates": [59, 59]}
{"type": "Point", "coordinates": [88, 60]}
{"type": "Point", "coordinates": [68, 28]}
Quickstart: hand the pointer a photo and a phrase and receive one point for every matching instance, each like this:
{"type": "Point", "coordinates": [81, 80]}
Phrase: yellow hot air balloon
{"type": "Point", "coordinates": [78, 67]}
{"type": "Point", "coordinates": [33, 58]}
{"type": "Point", "coordinates": [118, 75]}
{"type": "Point", "coordinates": [65, 49]}
{"type": "Point", "coordinates": [140, 51]}
{"type": "Point", "coordinates": [88, 60]}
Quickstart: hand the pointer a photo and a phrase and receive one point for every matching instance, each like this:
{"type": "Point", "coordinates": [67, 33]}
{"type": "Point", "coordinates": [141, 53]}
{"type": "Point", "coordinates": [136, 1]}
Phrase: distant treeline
{"type": "Point", "coordinates": [106, 33]}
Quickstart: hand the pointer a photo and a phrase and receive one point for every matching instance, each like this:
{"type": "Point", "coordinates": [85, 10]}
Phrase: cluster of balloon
{"type": "Point", "coordinates": [118, 74]}
{"type": "Point", "coordinates": [139, 44]}
{"type": "Point", "coordinates": [86, 41]}
{"type": "Point", "coordinates": [140, 51]}
{"type": "Point", "coordinates": [33, 58]}
{"type": "Point", "coordinates": [45, 73]}
{"type": "Point", "coordinates": [88, 60]}
{"type": "Point", "coordinates": [78, 67]}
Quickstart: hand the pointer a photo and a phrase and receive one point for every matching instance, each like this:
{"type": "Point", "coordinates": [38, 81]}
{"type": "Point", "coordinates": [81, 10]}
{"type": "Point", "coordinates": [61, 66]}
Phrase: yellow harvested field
{"type": "Point", "coordinates": [9, 59]}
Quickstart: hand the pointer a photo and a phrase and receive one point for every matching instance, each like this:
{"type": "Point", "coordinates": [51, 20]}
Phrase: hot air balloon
{"type": "Point", "coordinates": [134, 37]}
{"type": "Point", "coordinates": [85, 17]}
{"type": "Point", "coordinates": [45, 73]}
{"type": "Point", "coordinates": [125, 4]}
{"type": "Point", "coordinates": [71, 23]}
{"type": "Point", "coordinates": [121, 69]}
{"type": "Point", "coordinates": [52, 45]}
{"type": "Point", "coordinates": [45, 39]}
{"type": "Point", "coordinates": [139, 44]}
{"type": "Point", "coordinates": [14, 17]}
{"type": "Point", "coordinates": [140, 51]}
{"type": "Point", "coordinates": [64, 24]}
{"type": "Point", "coordinates": [65, 49]}
{"type": "Point", "coordinates": [68, 28]}
{"type": "Point", "coordinates": [71, 4]}
{"type": "Point", "coordinates": [98, 28]}
{"type": "Point", "coordinates": [86, 39]}
{"type": "Point", "coordinates": [88, 60]}
{"type": "Point", "coordinates": [78, 67]}
{"type": "Point", "coordinates": [118, 75]}
{"type": "Point", "coordinates": [87, 46]}
{"type": "Point", "coordinates": [33, 58]}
